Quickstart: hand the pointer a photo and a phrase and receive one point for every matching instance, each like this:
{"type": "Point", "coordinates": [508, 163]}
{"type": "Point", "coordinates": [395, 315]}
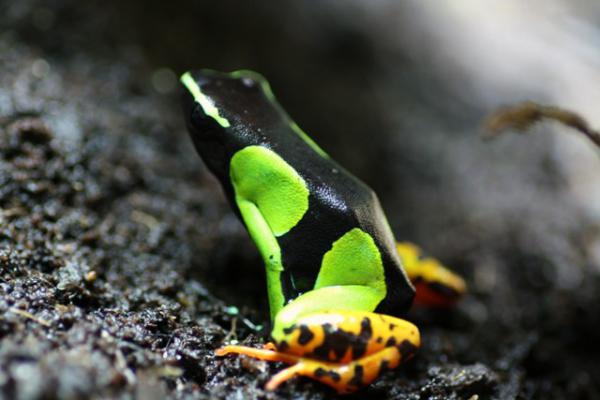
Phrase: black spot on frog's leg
{"type": "Point", "coordinates": [392, 326]}
{"type": "Point", "coordinates": [390, 342]}
{"type": "Point", "coordinates": [358, 376]}
{"type": "Point", "coordinates": [334, 340]}
{"type": "Point", "coordinates": [379, 339]}
{"type": "Point", "coordinates": [305, 335]}
{"type": "Point", "coordinates": [321, 372]}
{"type": "Point", "coordinates": [365, 328]}
{"type": "Point", "coordinates": [289, 329]}
{"type": "Point", "coordinates": [366, 332]}
{"type": "Point", "coordinates": [335, 376]}
{"type": "Point", "coordinates": [407, 349]}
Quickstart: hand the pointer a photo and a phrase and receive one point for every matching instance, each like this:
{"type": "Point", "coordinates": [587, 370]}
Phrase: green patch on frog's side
{"type": "Point", "coordinates": [262, 177]}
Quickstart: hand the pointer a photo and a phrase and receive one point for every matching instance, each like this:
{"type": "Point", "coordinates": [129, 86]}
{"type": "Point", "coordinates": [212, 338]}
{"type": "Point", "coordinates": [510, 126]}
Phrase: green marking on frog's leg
{"type": "Point", "coordinates": [261, 176]}
{"type": "Point", "coordinates": [272, 198]}
{"type": "Point", "coordinates": [261, 234]}
{"type": "Point", "coordinates": [354, 259]}
{"type": "Point", "coordinates": [207, 106]}
{"type": "Point", "coordinates": [331, 298]}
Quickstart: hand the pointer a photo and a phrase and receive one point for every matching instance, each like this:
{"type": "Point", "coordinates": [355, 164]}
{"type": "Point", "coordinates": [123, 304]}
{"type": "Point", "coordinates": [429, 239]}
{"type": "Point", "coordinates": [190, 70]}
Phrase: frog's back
{"type": "Point", "coordinates": [239, 112]}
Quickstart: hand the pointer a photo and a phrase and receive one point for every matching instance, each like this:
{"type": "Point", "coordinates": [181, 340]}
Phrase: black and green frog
{"type": "Point", "coordinates": [336, 284]}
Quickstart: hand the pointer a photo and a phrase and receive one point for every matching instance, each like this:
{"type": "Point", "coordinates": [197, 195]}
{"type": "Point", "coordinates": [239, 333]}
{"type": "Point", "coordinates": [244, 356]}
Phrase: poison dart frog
{"type": "Point", "coordinates": [335, 282]}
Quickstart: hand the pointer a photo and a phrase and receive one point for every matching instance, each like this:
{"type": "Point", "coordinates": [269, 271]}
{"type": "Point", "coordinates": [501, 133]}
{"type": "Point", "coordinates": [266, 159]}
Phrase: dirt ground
{"type": "Point", "coordinates": [122, 267]}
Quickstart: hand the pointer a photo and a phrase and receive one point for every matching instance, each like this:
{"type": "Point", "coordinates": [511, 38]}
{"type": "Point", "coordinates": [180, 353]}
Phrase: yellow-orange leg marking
{"type": "Point", "coordinates": [344, 378]}
{"type": "Point", "coordinates": [269, 346]}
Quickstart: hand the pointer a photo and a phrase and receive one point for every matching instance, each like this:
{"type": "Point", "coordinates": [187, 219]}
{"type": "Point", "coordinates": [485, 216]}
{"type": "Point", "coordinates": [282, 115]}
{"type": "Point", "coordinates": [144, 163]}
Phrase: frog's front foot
{"type": "Point", "coordinates": [345, 349]}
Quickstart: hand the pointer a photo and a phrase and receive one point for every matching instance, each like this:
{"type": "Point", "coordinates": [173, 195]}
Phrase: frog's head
{"type": "Point", "coordinates": [226, 112]}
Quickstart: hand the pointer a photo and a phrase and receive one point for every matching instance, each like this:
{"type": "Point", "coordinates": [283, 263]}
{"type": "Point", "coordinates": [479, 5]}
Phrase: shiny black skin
{"type": "Point", "coordinates": [338, 201]}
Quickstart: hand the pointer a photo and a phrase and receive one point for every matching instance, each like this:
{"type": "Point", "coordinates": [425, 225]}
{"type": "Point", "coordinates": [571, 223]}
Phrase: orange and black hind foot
{"type": "Point", "coordinates": [344, 349]}
{"type": "Point", "coordinates": [344, 378]}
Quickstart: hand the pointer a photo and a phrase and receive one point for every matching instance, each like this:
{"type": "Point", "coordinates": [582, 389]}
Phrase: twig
{"type": "Point", "coordinates": [231, 333]}
{"type": "Point", "coordinates": [522, 116]}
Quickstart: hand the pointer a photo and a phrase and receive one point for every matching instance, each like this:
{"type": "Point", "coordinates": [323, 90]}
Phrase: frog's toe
{"type": "Point", "coordinates": [284, 375]}
{"type": "Point", "coordinates": [261, 354]}
{"type": "Point", "coordinates": [270, 346]}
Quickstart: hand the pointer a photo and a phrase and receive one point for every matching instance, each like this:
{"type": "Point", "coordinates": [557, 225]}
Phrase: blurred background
{"type": "Point", "coordinates": [396, 92]}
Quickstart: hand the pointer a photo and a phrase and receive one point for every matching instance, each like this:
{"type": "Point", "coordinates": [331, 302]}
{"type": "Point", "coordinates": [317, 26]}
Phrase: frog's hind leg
{"type": "Point", "coordinates": [344, 378]}
{"type": "Point", "coordinates": [343, 349]}
{"type": "Point", "coordinates": [346, 349]}
{"type": "Point", "coordinates": [435, 285]}
{"type": "Point", "coordinates": [328, 337]}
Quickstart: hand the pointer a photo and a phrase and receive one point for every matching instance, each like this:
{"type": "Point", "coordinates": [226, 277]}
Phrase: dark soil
{"type": "Point", "coordinates": [121, 265]}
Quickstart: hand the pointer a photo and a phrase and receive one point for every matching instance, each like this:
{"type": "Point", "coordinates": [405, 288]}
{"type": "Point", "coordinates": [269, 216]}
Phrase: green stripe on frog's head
{"type": "Point", "coordinates": [207, 104]}
{"type": "Point", "coordinates": [237, 109]}
{"type": "Point", "coordinates": [224, 99]}
{"type": "Point", "coordinates": [226, 112]}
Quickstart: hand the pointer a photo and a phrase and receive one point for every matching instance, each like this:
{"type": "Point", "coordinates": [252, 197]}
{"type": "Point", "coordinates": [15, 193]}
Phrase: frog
{"type": "Point", "coordinates": [336, 287]}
